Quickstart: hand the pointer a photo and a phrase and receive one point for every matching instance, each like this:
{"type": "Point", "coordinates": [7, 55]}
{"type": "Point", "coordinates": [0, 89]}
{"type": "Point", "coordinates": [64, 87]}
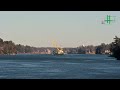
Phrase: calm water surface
{"type": "Point", "coordinates": [79, 66]}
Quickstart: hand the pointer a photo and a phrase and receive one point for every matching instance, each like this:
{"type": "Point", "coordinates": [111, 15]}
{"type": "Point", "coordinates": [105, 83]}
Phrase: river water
{"type": "Point", "coordinates": [71, 66]}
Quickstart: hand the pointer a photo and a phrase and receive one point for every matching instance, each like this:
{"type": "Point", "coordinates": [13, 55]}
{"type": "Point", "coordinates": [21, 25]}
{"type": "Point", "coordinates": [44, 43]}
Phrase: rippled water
{"type": "Point", "coordinates": [78, 66]}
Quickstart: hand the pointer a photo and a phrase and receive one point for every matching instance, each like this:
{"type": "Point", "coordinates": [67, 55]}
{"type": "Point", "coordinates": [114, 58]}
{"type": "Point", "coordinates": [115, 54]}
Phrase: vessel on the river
{"type": "Point", "coordinates": [58, 50]}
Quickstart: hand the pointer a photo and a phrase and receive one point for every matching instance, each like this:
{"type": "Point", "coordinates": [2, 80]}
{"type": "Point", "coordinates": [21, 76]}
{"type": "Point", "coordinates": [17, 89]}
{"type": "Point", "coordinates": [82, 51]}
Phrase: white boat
{"type": "Point", "coordinates": [58, 52]}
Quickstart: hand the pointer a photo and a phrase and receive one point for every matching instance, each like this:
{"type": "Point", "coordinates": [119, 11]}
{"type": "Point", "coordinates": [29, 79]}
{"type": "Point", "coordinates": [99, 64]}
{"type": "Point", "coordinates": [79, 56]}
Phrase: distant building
{"type": "Point", "coordinates": [107, 51]}
{"type": "Point", "coordinates": [48, 51]}
{"type": "Point", "coordinates": [1, 50]}
{"type": "Point", "coordinates": [89, 52]}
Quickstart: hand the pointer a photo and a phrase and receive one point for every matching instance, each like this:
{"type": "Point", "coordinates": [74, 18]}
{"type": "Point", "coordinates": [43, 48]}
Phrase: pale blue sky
{"type": "Point", "coordinates": [68, 28]}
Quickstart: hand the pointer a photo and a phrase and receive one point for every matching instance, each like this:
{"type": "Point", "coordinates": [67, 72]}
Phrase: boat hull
{"type": "Point", "coordinates": [58, 53]}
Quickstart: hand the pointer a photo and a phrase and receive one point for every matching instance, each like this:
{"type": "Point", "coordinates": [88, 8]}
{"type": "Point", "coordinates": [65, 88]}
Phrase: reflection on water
{"type": "Point", "coordinates": [78, 66]}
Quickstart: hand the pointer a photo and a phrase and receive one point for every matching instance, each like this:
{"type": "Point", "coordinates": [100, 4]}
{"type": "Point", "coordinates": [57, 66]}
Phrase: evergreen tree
{"type": "Point", "coordinates": [115, 48]}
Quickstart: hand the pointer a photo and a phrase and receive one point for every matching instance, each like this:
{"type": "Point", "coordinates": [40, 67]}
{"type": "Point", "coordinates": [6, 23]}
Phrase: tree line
{"type": "Point", "coordinates": [90, 49]}
{"type": "Point", "coordinates": [9, 47]}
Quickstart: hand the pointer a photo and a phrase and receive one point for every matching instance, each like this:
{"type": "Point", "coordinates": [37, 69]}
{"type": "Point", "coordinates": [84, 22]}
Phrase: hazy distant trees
{"type": "Point", "coordinates": [90, 49]}
{"type": "Point", "coordinates": [7, 47]}
{"type": "Point", "coordinates": [81, 50]}
{"type": "Point", "coordinates": [86, 49]}
{"type": "Point", "coordinates": [1, 42]}
{"type": "Point", "coordinates": [100, 49]}
{"type": "Point", "coordinates": [20, 48]}
{"type": "Point", "coordinates": [28, 49]}
{"type": "Point", "coordinates": [1, 46]}
{"type": "Point", "coordinates": [70, 50]}
{"type": "Point", "coordinates": [24, 49]}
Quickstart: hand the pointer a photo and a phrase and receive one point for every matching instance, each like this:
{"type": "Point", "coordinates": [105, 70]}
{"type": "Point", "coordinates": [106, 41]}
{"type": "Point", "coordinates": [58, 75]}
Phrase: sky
{"type": "Point", "coordinates": [67, 28]}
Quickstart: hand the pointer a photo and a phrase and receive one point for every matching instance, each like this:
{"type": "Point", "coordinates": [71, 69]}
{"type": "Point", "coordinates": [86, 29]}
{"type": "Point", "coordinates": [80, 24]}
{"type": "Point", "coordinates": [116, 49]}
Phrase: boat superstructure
{"type": "Point", "coordinates": [58, 50]}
